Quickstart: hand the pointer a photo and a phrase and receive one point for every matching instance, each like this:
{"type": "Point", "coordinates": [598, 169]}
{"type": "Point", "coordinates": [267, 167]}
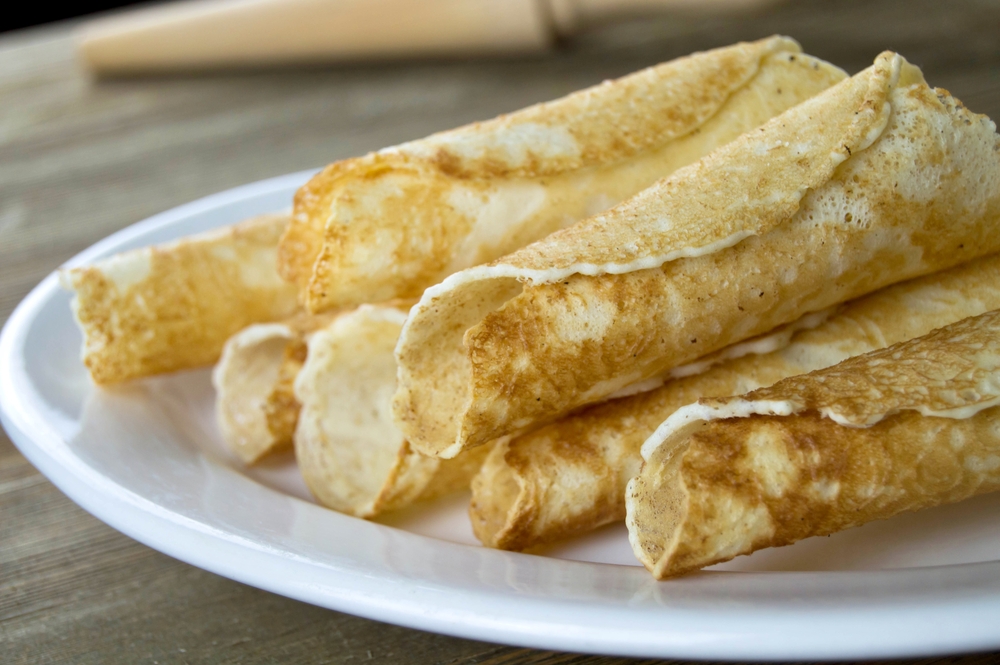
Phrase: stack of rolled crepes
{"type": "Point", "coordinates": [519, 304]}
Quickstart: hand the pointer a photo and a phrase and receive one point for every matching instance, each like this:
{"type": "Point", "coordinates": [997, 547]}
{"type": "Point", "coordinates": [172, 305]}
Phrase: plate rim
{"type": "Point", "coordinates": [877, 630]}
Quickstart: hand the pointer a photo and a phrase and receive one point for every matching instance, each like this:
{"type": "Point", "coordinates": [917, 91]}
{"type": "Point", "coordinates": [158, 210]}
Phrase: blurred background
{"type": "Point", "coordinates": [30, 14]}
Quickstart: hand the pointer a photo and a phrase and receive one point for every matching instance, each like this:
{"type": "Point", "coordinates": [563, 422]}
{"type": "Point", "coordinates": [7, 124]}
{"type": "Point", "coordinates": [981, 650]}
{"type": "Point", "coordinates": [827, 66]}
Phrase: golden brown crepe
{"type": "Point", "coordinates": [390, 224]}
{"type": "Point", "coordinates": [877, 180]}
{"type": "Point", "coordinates": [173, 306]}
{"type": "Point", "coordinates": [255, 401]}
{"type": "Point", "coordinates": [570, 476]}
{"type": "Point", "coordinates": [352, 456]}
{"type": "Point", "coordinates": [908, 427]}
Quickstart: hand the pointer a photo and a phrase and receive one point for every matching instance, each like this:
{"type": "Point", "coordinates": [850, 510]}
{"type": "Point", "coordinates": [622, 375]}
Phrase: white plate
{"type": "Point", "coordinates": [146, 459]}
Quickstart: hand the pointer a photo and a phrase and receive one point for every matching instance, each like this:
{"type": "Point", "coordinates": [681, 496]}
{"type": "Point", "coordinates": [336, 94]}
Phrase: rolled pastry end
{"type": "Point", "coordinates": [173, 306]}
{"type": "Point", "coordinates": [351, 455]}
{"type": "Point", "coordinates": [908, 427]}
{"type": "Point", "coordinates": [501, 506]}
{"type": "Point", "coordinates": [553, 483]}
{"type": "Point", "coordinates": [255, 403]}
{"type": "Point", "coordinates": [255, 408]}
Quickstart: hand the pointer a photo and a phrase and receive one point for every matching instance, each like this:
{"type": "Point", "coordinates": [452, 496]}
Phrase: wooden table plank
{"type": "Point", "coordinates": [79, 160]}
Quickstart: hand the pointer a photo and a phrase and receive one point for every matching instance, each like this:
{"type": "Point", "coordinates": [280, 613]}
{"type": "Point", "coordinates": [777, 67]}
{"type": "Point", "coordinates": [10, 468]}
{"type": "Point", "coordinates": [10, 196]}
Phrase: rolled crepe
{"type": "Point", "coordinates": [352, 456]}
{"type": "Point", "coordinates": [877, 180]}
{"type": "Point", "coordinates": [570, 476]}
{"type": "Point", "coordinates": [255, 401]}
{"type": "Point", "coordinates": [173, 306]}
{"type": "Point", "coordinates": [908, 427]}
{"type": "Point", "coordinates": [394, 222]}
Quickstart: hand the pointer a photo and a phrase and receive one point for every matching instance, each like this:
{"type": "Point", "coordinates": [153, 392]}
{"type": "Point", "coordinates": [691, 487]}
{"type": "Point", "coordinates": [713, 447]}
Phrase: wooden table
{"type": "Point", "coordinates": [80, 159]}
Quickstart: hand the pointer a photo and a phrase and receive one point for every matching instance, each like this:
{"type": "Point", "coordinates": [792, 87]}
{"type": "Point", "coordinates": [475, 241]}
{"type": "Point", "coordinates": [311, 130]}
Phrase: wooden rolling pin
{"type": "Point", "coordinates": [211, 34]}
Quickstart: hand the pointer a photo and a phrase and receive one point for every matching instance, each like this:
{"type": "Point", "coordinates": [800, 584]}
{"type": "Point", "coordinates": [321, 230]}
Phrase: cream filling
{"type": "Point", "coordinates": [962, 412]}
{"type": "Point", "coordinates": [762, 345]}
{"type": "Point", "coordinates": [689, 418]}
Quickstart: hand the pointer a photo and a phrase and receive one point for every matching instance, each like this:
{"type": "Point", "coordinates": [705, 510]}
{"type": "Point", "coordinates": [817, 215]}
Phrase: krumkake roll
{"type": "Point", "coordinates": [391, 223]}
{"type": "Point", "coordinates": [911, 426]}
{"type": "Point", "coordinates": [173, 306]}
{"type": "Point", "coordinates": [877, 180]}
{"type": "Point", "coordinates": [570, 476]}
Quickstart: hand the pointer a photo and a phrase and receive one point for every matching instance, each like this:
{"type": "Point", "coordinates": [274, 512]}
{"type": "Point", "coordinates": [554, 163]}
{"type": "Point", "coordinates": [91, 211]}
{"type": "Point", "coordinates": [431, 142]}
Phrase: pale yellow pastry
{"type": "Point", "coordinates": [877, 180]}
{"type": "Point", "coordinates": [570, 476]}
{"type": "Point", "coordinates": [391, 223]}
{"type": "Point", "coordinates": [352, 456]}
{"type": "Point", "coordinates": [255, 402]}
{"type": "Point", "coordinates": [908, 427]}
{"type": "Point", "coordinates": [173, 306]}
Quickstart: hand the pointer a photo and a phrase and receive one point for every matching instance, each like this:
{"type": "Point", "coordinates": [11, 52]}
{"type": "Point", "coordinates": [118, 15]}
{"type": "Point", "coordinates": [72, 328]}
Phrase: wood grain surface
{"type": "Point", "coordinates": [80, 159]}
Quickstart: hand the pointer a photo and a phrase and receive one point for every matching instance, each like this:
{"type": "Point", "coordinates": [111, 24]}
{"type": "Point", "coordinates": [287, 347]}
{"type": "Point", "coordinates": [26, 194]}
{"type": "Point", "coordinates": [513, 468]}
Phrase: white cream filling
{"type": "Point", "coordinates": [689, 417]}
{"type": "Point", "coordinates": [768, 343]}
